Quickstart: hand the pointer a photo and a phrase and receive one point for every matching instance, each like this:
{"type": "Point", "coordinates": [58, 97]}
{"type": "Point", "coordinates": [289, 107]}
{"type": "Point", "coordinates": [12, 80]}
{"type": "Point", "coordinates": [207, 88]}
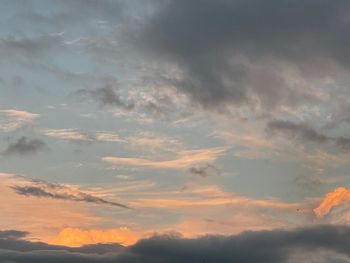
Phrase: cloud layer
{"type": "Point", "coordinates": [252, 53]}
{"type": "Point", "coordinates": [327, 244]}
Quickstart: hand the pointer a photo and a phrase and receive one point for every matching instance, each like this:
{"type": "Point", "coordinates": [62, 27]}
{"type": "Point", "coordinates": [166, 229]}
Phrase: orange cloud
{"type": "Point", "coordinates": [75, 237]}
{"type": "Point", "coordinates": [211, 196]}
{"type": "Point", "coordinates": [332, 199]}
{"type": "Point", "coordinates": [67, 134]}
{"type": "Point", "coordinates": [185, 159]}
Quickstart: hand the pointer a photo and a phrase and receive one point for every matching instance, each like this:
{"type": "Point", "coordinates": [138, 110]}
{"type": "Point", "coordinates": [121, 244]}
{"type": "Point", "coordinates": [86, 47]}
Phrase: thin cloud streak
{"type": "Point", "coordinates": [39, 188]}
{"type": "Point", "coordinates": [185, 159]}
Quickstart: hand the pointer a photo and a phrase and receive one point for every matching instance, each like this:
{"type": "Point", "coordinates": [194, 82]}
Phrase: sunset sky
{"type": "Point", "coordinates": [131, 128]}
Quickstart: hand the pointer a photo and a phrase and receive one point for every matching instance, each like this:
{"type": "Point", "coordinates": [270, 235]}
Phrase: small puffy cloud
{"type": "Point", "coordinates": [25, 146]}
{"type": "Point", "coordinates": [204, 170]}
{"type": "Point", "coordinates": [14, 119]}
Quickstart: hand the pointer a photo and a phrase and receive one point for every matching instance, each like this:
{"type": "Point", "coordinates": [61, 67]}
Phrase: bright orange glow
{"type": "Point", "coordinates": [75, 237]}
{"type": "Point", "coordinates": [331, 200]}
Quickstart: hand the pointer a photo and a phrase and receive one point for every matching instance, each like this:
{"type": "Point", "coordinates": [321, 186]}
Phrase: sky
{"type": "Point", "coordinates": [174, 131]}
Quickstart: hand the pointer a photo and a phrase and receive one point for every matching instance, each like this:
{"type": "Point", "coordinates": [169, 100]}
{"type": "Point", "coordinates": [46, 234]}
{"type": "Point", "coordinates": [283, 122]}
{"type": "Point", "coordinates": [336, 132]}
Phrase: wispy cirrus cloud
{"type": "Point", "coordinates": [75, 135]}
{"type": "Point", "coordinates": [184, 159]}
{"type": "Point", "coordinates": [67, 134]}
{"type": "Point", "coordinates": [306, 133]}
{"type": "Point", "coordinates": [42, 189]}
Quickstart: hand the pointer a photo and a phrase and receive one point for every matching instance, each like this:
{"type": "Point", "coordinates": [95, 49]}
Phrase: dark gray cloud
{"type": "Point", "coordinates": [204, 170]}
{"type": "Point", "coordinates": [44, 189]}
{"type": "Point", "coordinates": [300, 131]}
{"type": "Point", "coordinates": [326, 242]}
{"type": "Point", "coordinates": [107, 96]}
{"type": "Point", "coordinates": [12, 234]}
{"type": "Point", "coordinates": [242, 52]}
{"type": "Point", "coordinates": [306, 133]}
{"type": "Point", "coordinates": [25, 146]}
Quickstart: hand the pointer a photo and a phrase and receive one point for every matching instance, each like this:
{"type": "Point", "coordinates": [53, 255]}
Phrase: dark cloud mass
{"type": "Point", "coordinates": [306, 133]}
{"type": "Point", "coordinates": [41, 188]}
{"type": "Point", "coordinates": [12, 234]}
{"type": "Point", "coordinates": [324, 243]}
{"type": "Point", "coordinates": [242, 52]}
{"type": "Point", "coordinates": [25, 146]}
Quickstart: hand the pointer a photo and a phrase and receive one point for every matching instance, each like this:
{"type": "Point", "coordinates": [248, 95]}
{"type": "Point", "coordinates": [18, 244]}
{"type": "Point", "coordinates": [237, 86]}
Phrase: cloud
{"type": "Point", "coordinates": [204, 170]}
{"type": "Point", "coordinates": [306, 133]}
{"type": "Point", "coordinates": [154, 143]}
{"type": "Point", "coordinates": [16, 119]}
{"type": "Point", "coordinates": [19, 244]}
{"type": "Point", "coordinates": [331, 200]}
{"type": "Point", "coordinates": [40, 188]}
{"type": "Point", "coordinates": [301, 131]}
{"type": "Point", "coordinates": [12, 234]}
{"type": "Point", "coordinates": [211, 196]}
{"type": "Point", "coordinates": [67, 134]}
{"type": "Point", "coordinates": [75, 237]}
{"type": "Point", "coordinates": [252, 53]}
{"type": "Point", "coordinates": [47, 216]}
{"type": "Point", "coordinates": [25, 146]}
{"type": "Point", "coordinates": [184, 160]}
{"type": "Point", "coordinates": [75, 135]}
{"type": "Point", "coordinates": [108, 137]}
{"type": "Point", "coordinates": [325, 241]}
{"type": "Point", "coordinates": [107, 96]}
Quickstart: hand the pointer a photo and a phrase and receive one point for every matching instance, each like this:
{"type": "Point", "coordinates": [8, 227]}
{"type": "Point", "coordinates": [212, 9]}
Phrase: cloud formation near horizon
{"type": "Point", "coordinates": [318, 244]}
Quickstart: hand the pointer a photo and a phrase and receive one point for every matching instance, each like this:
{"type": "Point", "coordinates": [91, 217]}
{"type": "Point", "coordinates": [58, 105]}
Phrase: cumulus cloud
{"type": "Point", "coordinates": [25, 146]}
{"type": "Point", "coordinates": [275, 246]}
{"type": "Point", "coordinates": [40, 188]}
